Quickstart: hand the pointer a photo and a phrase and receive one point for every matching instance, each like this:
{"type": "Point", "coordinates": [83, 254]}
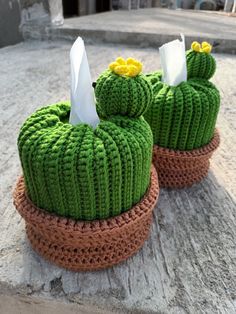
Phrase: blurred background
{"type": "Point", "coordinates": [22, 19]}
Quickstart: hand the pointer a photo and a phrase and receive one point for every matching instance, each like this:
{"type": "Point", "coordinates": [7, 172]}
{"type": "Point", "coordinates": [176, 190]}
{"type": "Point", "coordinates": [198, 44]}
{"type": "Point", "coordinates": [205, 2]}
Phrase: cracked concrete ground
{"type": "Point", "coordinates": [188, 265]}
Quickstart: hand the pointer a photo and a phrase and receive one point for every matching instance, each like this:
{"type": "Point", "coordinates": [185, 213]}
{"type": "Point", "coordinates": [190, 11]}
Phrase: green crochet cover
{"type": "Point", "coordinates": [123, 95]}
{"type": "Point", "coordinates": [182, 117]}
{"type": "Point", "coordinates": [200, 63]}
{"type": "Point", "coordinates": [85, 173]}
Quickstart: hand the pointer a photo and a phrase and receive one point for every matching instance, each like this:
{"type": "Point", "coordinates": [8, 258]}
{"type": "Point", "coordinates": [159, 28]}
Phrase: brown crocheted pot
{"type": "Point", "coordinates": [83, 245]}
{"type": "Point", "coordinates": [178, 169]}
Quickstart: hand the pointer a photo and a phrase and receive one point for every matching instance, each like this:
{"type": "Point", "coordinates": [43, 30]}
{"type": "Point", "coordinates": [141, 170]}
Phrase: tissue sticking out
{"type": "Point", "coordinates": [83, 108]}
{"type": "Point", "coordinates": [205, 47]}
{"type": "Point", "coordinates": [173, 62]}
{"type": "Point", "coordinates": [129, 67]}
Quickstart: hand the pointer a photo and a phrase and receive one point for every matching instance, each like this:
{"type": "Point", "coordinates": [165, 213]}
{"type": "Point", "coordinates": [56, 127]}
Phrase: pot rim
{"type": "Point", "coordinates": [37, 216]}
{"type": "Point", "coordinates": [201, 152]}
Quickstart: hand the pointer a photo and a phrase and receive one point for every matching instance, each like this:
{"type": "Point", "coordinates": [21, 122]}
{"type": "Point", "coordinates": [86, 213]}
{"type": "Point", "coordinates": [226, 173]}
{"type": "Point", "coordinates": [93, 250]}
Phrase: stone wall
{"type": "Point", "coordinates": [133, 4]}
{"type": "Point", "coordinates": [23, 19]}
{"type": "Point", "coordinates": [35, 18]}
{"type": "Point", "coordinates": [9, 23]}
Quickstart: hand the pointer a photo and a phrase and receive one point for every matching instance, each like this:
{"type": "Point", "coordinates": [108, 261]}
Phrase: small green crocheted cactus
{"type": "Point", "coordinates": [81, 172]}
{"type": "Point", "coordinates": [200, 62]}
{"type": "Point", "coordinates": [122, 89]}
{"type": "Point", "coordinates": [182, 117]}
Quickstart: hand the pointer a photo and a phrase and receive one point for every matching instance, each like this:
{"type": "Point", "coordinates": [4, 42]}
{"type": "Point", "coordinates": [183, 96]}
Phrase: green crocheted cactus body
{"type": "Point", "coordinates": [183, 117]}
{"type": "Point", "coordinates": [122, 95]}
{"type": "Point", "coordinates": [200, 64]}
{"type": "Point", "coordinates": [85, 174]}
{"type": "Point", "coordinates": [154, 79]}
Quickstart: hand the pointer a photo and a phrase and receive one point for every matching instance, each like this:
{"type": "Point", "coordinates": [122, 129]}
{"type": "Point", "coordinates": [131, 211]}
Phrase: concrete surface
{"type": "Point", "coordinates": [151, 27]}
{"type": "Point", "coordinates": [188, 265]}
{"type": "Point", "coordinates": [31, 305]}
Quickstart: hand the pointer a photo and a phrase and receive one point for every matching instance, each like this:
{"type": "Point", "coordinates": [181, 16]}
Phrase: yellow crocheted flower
{"type": "Point", "coordinates": [129, 67]}
{"type": "Point", "coordinates": [205, 47]}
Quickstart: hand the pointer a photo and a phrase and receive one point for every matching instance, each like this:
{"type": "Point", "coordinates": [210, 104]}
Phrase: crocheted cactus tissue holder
{"type": "Point", "coordinates": [183, 119]}
{"type": "Point", "coordinates": [88, 189]}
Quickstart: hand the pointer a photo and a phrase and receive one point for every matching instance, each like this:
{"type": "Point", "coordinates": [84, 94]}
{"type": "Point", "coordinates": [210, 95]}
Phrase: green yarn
{"type": "Point", "coordinates": [122, 95]}
{"type": "Point", "coordinates": [154, 79]}
{"type": "Point", "coordinates": [200, 64]}
{"type": "Point", "coordinates": [183, 117]}
{"type": "Point", "coordinates": [85, 173]}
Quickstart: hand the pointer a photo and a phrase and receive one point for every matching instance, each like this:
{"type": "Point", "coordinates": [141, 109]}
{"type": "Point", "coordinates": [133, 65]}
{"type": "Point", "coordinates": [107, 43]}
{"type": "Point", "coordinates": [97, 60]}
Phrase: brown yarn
{"type": "Point", "coordinates": [84, 245]}
{"type": "Point", "coordinates": [178, 169]}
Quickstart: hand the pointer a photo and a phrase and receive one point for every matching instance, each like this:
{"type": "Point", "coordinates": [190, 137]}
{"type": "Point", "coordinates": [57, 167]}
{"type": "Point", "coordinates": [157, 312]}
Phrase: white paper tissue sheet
{"type": "Point", "coordinates": [173, 62]}
{"type": "Point", "coordinates": [83, 108]}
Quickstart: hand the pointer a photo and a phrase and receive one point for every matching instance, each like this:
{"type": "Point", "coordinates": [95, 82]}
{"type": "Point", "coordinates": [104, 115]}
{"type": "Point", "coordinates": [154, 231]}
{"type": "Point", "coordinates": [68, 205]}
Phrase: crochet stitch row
{"type": "Point", "coordinates": [183, 117]}
{"type": "Point", "coordinates": [123, 95]}
{"type": "Point", "coordinates": [78, 172]}
{"type": "Point", "coordinates": [200, 64]}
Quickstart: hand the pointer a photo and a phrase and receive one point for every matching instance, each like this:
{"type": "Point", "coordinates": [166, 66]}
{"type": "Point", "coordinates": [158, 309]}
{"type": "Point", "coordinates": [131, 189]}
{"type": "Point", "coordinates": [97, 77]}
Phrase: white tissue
{"type": "Point", "coordinates": [173, 62]}
{"type": "Point", "coordinates": [83, 108]}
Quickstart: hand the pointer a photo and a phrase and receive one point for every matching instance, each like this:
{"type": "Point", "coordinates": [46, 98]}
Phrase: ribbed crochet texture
{"type": "Point", "coordinates": [200, 64]}
{"type": "Point", "coordinates": [87, 245]}
{"type": "Point", "coordinates": [86, 174]}
{"type": "Point", "coordinates": [178, 169]}
{"type": "Point", "coordinates": [182, 117]}
{"type": "Point", "coordinates": [122, 95]}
